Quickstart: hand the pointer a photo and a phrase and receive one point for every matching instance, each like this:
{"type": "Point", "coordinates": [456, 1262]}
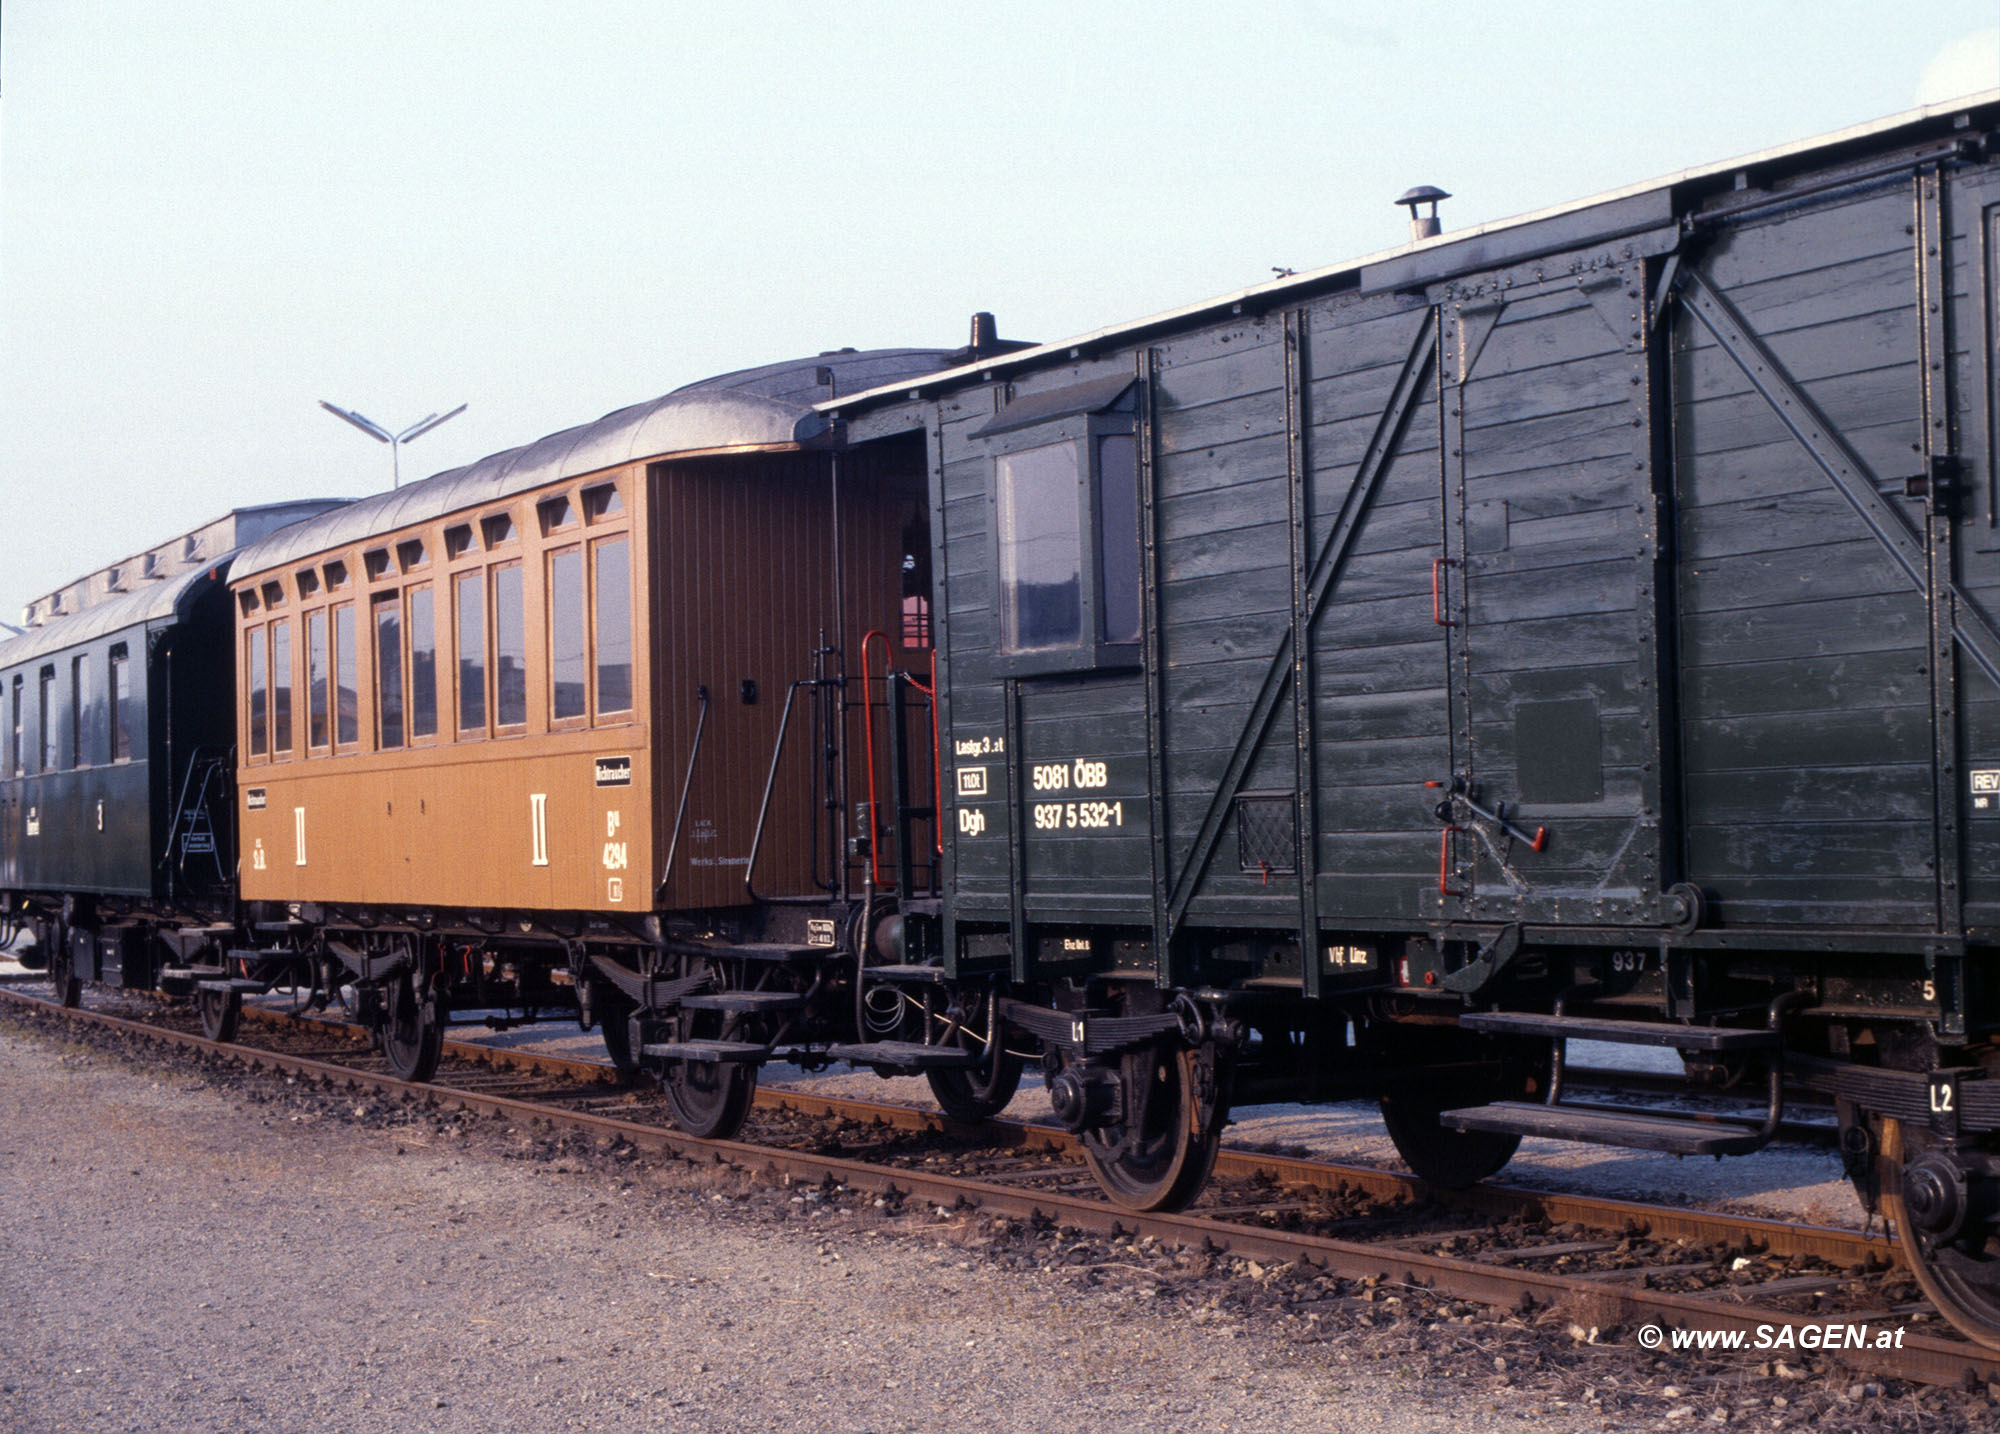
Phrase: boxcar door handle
{"type": "Point", "coordinates": [1438, 565]}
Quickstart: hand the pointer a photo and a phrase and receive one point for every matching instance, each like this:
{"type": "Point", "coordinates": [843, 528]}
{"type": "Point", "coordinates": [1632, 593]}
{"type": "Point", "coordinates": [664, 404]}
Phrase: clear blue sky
{"type": "Point", "coordinates": [214, 214]}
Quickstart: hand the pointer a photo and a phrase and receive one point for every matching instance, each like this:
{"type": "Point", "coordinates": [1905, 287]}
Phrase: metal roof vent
{"type": "Point", "coordinates": [1423, 226]}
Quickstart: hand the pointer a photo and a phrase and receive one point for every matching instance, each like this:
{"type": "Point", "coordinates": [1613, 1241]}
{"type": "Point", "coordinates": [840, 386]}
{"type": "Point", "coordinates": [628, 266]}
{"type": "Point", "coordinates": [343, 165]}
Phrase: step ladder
{"type": "Point", "coordinates": [1625, 1127]}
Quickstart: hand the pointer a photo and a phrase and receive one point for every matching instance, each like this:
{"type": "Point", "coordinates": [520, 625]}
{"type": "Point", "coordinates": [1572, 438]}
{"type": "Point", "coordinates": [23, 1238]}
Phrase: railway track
{"type": "Point", "coordinates": [1623, 1264]}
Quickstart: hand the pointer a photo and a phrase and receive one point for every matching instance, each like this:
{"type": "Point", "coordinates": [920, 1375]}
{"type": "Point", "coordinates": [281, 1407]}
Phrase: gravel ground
{"type": "Point", "coordinates": [175, 1261]}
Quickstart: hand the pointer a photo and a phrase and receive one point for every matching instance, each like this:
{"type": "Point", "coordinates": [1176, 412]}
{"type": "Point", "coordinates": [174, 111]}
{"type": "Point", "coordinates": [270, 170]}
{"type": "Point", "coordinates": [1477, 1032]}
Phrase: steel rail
{"type": "Point", "coordinates": [1922, 1357]}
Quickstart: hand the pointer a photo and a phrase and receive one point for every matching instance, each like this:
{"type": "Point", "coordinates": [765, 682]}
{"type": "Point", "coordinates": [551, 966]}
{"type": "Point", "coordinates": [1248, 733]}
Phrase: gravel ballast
{"type": "Point", "coordinates": [193, 1245]}
{"type": "Point", "coordinates": [177, 1261]}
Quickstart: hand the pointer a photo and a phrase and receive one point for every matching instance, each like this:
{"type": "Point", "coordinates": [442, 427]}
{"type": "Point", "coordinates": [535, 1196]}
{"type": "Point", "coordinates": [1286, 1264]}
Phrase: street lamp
{"type": "Point", "coordinates": [394, 440]}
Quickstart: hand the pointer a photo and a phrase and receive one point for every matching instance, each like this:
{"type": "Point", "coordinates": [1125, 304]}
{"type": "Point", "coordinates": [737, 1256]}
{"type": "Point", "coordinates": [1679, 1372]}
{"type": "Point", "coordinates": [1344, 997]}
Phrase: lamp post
{"type": "Point", "coordinates": [394, 440]}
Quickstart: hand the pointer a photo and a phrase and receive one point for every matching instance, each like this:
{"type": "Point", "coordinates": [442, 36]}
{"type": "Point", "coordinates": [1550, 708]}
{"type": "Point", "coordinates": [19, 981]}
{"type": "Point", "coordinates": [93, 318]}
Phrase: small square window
{"type": "Point", "coordinates": [336, 575]}
{"type": "Point", "coordinates": [308, 582]}
{"type": "Point", "coordinates": [410, 554]}
{"type": "Point", "coordinates": [246, 601]}
{"type": "Point", "coordinates": [274, 594]}
{"type": "Point", "coordinates": [555, 514]}
{"type": "Point", "coordinates": [602, 502]}
{"type": "Point", "coordinates": [458, 540]}
{"type": "Point", "coordinates": [497, 528]}
{"type": "Point", "coordinates": [375, 562]}
{"type": "Point", "coordinates": [1066, 516]}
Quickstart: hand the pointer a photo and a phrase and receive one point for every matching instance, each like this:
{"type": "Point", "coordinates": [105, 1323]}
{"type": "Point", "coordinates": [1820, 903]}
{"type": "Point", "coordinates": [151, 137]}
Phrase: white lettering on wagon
{"type": "Point", "coordinates": [538, 827]}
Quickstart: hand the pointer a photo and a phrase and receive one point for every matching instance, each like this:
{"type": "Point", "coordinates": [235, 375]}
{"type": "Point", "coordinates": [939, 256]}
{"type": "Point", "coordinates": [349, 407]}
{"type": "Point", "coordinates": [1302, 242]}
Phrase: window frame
{"type": "Point", "coordinates": [79, 692]}
{"type": "Point", "coordinates": [494, 571]}
{"type": "Point", "coordinates": [117, 666]}
{"type": "Point", "coordinates": [388, 602]}
{"type": "Point", "coordinates": [283, 677]}
{"type": "Point", "coordinates": [256, 694]}
{"type": "Point", "coordinates": [1089, 652]}
{"type": "Point", "coordinates": [593, 609]}
{"type": "Point", "coordinates": [554, 552]}
{"type": "Point", "coordinates": [476, 572]}
{"type": "Point", "coordinates": [49, 749]}
{"type": "Point", "coordinates": [317, 659]}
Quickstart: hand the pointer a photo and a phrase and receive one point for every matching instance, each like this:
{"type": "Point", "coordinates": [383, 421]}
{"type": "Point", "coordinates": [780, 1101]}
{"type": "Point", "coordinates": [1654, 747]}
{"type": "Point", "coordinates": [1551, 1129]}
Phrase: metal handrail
{"type": "Point", "coordinates": [687, 785]}
{"type": "Point", "coordinates": [770, 782]}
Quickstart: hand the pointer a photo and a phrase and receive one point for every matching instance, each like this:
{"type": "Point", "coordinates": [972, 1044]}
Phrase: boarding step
{"type": "Point", "coordinates": [189, 974]}
{"type": "Point", "coordinates": [1630, 1131]}
{"type": "Point", "coordinates": [774, 951]}
{"type": "Point", "coordinates": [226, 984]}
{"type": "Point", "coordinates": [718, 1051]}
{"type": "Point", "coordinates": [1629, 1033]}
{"type": "Point", "coordinates": [746, 1003]}
{"type": "Point", "coordinates": [906, 1055]}
{"type": "Point", "coordinates": [907, 975]}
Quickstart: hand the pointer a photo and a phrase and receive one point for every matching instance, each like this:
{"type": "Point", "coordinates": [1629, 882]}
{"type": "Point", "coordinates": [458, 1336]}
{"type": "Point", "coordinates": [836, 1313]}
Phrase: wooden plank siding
{"type": "Point", "coordinates": [1806, 678]}
{"type": "Point", "coordinates": [1664, 634]}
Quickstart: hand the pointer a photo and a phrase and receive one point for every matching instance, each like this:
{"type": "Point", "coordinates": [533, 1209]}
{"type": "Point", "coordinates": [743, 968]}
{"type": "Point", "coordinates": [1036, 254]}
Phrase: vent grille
{"type": "Point", "coordinates": [1267, 832]}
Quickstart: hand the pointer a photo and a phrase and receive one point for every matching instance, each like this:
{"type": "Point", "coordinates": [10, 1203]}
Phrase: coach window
{"type": "Point", "coordinates": [423, 662]}
{"type": "Point", "coordinates": [346, 682]}
{"type": "Point", "coordinates": [568, 659]}
{"type": "Point", "coordinates": [316, 669]}
{"type": "Point", "coordinates": [46, 713]}
{"type": "Point", "coordinates": [469, 597]}
{"type": "Point", "coordinates": [388, 622]}
{"type": "Point", "coordinates": [281, 688]}
{"type": "Point", "coordinates": [118, 691]}
{"type": "Point", "coordinates": [555, 514]}
{"type": "Point", "coordinates": [1066, 519]}
{"type": "Point", "coordinates": [253, 648]}
{"type": "Point", "coordinates": [611, 621]}
{"type": "Point", "coordinates": [602, 503]}
{"type": "Point", "coordinates": [79, 698]}
{"type": "Point", "coordinates": [510, 650]}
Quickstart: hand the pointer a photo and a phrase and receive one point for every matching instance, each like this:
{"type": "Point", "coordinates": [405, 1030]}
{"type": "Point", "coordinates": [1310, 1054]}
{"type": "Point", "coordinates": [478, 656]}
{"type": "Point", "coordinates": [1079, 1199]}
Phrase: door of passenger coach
{"type": "Point", "coordinates": [1065, 515]}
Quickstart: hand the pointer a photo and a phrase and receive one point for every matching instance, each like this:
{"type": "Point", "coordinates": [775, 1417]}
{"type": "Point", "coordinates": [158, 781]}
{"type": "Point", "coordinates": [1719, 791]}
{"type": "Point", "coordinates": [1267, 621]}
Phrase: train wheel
{"type": "Point", "coordinates": [1452, 1159]}
{"type": "Point", "coordinates": [220, 1012]}
{"type": "Point", "coordinates": [1158, 1154]}
{"type": "Point", "coordinates": [612, 1009]}
{"type": "Point", "coordinates": [62, 970]}
{"type": "Point", "coordinates": [412, 1032]}
{"type": "Point", "coordinates": [977, 1093]}
{"type": "Point", "coordinates": [1946, 1233]}
{"type": "Point", "coordinates": [710, 1099]}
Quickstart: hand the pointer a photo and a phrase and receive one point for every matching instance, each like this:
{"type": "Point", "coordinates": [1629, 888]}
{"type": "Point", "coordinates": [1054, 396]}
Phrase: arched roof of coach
{"type": "Point", "coordinates": [763, 407]}
{"type": "Point", "coordinates": [155, 602]}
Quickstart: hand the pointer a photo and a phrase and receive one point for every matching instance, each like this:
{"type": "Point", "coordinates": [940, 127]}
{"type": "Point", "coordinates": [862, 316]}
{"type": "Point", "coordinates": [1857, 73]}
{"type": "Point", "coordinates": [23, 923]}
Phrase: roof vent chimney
{"type": "Point", "coordinates": [1423, 226]}
{"type": "Point", "coordinates": [985, 334]}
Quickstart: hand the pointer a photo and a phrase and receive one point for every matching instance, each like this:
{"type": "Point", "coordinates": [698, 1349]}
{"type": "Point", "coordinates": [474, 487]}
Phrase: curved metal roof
{"type": "Point", "coordinates": [155, 602]}
{"type": "Point", "coordinates": [752, 408]}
